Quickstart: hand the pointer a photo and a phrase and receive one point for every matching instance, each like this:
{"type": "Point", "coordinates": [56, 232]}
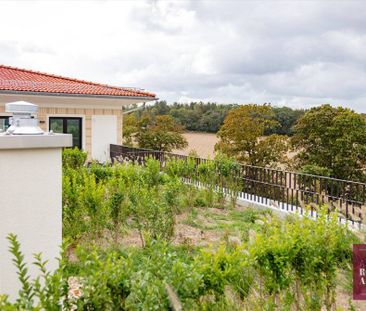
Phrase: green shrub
{"type": "Point", "coordinates": [300, 259]}
{"type": "Point", "coordinates": [42, 293]}
{"type": "Point", "coordinates": [228, 171]}
{"type": "Point", "coordinates": [223, 266]}
{"type": "Point", "coordinates": [176, 168]}
{"type": "Point", "coordinates": [101, 172]}
{"type": "Point", "coordinates": [73, 158]}
{"type": "Point", "coordinates": [160, 265]}
{"type": "Point", "coordinates": [292, 264]}
{"type": "Point", "coordinates": [172, 192]}
{"type": "Point", "coordinates": [151, 173]}
{"type": "Point", "coordinates": [118, 205]}
{"type": "Point", "coordinates": [73, 210]}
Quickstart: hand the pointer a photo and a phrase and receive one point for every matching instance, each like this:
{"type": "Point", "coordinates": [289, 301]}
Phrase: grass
{"type": "Point", "coordinates": [234, 221]}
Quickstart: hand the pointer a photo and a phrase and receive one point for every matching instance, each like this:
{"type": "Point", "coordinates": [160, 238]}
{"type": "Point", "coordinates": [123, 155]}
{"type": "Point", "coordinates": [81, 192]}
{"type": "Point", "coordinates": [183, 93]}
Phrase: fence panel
{"type": "Point", "coordinates": [285, 190]}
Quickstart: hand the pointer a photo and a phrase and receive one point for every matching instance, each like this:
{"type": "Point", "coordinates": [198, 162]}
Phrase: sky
{"type": "Point", "coordinates": [295, 53]}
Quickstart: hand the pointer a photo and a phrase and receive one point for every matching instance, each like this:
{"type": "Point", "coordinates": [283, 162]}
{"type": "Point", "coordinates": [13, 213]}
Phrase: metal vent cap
{"type": "Point", "coordinates": [23, 121]}
{"type": "Point", "coordinates": [21, 107]}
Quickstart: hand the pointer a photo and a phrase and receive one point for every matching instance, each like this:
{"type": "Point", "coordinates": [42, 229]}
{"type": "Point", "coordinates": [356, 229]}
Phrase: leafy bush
{"type": "Point", "coordinates": [315, 170]}
{"type": "Point", "coordinates": [228, 171]}
{"type": "Point", "coordinates": [270, 272]}
{"type": "Point", "coordinates": [152, 216]}
{"type": "Point", "coordinates": [42, 293]}
{"type": "Point", "coordinates": [299, 259]}
{"type": "Point", "coordinates": [222, 266]}
{"type": "Point", "coordinates": [287, 264]}
{"type": "Point", "coordinates": [73, 158]}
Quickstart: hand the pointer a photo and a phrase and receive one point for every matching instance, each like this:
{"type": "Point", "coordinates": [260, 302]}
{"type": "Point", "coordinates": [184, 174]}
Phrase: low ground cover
{"type": "Point", "coordinates": [137, 238]}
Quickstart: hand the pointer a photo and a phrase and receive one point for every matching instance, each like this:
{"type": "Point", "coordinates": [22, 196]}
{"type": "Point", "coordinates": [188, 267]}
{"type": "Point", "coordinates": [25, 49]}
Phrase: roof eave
{"type": "Point", "coordinates": [143, 98]}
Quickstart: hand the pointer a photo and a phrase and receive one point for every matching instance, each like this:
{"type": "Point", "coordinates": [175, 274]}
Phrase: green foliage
{"type": "Point", "coordinates": [228, 172]}
{"type": "Point", "coordinates": [313, 169]}
{"type": "Point", "coordinates": [161, 133]}
{"type": "Point", "coordinates": [223, 266]}
{"type": "Point", "coordinates": [270, 272]}
{"type": "Point", "coordinates": [290, 254]}
{"type": "Point", "coordinates": [42, 293]}
{"type": "Point", "coordinates": [151, 214]}
{"type": "Point", "coordinates": [204, 117]}
{"type": "Point", "coordinates": [286, 118]}
{"type": "Point", "coordinates": [104, 197]}
{"type": "Point", "coordinates": [208, 117]}
{"type": "Point", "coordinates": [129, 129]}
{"type": "Point", "coordinates": [160, 265]}
{"type": "Point", "coordinates": [246, 142]}
{"type": "Point", "coordinates": [284, 264]}
{"type": "Point", "coordinates": [208, 178]}
{"type": "Point", "coordinates": [101, 172]}
{"type": "Point", "coordinates": [73, 158]}
{"type": "Point", "coordinates": [334, 140]}
{"type": "Point", "coordinates": [151, 173]}
{"type": "Point", "coordinates": [26, 294]}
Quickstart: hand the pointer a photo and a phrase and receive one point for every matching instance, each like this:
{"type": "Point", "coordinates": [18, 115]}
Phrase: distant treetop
{"type": "Point", "coordinates": [209, 117]}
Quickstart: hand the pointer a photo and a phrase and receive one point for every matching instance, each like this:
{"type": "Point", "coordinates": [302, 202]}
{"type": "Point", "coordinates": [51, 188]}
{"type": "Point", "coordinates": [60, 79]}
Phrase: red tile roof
{"type": "Point", "coordinates": [23, 80]}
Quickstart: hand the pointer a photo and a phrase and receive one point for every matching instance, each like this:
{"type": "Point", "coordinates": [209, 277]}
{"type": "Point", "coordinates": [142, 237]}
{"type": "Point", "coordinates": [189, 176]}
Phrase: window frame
{"type": "Point", "coordinates": [2, 117]}
{"type": "Point", "coordinates": [64, 126]}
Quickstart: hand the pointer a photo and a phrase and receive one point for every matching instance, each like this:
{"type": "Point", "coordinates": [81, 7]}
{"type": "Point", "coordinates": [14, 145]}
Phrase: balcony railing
{"type": "Point", "coordinates": [284, 190]}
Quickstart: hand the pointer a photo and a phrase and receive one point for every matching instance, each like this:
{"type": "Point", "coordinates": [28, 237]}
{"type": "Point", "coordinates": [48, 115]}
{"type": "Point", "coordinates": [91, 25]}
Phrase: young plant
{"type": "Point", "coordinates": [45, 292]}
{"type": "Point", "coordinates": [208, 178]}
{"type": "Point", "coordinates": [152, 216]}
{"type": "Point", "coordinates": [228, 171]}
{"type": "Point", "coordinates": [73, 158]}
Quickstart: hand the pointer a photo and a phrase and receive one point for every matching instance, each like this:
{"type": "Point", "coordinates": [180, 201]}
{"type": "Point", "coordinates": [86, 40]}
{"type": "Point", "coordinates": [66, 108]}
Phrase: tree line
{"type": "Point", "coordinates": [325, 140]}
{"type": "Point", "coordinates": [209, 117]}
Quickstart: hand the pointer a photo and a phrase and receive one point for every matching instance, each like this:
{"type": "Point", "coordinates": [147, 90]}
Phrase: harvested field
{"type": "Point", "coordinates": [202, 143]}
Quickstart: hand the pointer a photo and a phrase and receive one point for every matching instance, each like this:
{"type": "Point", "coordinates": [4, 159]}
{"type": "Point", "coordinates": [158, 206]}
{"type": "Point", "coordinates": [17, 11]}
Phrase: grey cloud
{"type": "Point", "coordinates": [297, 53]}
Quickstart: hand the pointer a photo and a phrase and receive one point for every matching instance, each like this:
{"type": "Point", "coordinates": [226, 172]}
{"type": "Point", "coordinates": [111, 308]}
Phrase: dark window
{"type": "Point", "coordinates": [68, 125]}
{"type": "Point", "coordinates": [4, 123]}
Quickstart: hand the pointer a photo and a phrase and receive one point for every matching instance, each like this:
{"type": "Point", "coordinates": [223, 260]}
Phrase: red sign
{"type": "Point", "coordinates": [359, 271]}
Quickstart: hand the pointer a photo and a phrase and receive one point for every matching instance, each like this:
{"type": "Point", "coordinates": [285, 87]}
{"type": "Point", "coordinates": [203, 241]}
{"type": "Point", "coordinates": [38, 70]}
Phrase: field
{"type": "Point", "coordinates": [202, 143]}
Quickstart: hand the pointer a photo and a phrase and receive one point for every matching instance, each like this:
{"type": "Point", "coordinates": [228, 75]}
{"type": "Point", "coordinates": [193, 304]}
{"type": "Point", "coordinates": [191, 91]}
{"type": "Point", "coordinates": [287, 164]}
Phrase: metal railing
{"type": "Point", "coordinates": [285, 190]}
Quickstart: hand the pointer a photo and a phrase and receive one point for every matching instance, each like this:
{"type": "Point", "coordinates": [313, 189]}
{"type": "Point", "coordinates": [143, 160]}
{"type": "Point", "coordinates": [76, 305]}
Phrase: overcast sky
{"type": "Point", "coordinates": [292, 53]}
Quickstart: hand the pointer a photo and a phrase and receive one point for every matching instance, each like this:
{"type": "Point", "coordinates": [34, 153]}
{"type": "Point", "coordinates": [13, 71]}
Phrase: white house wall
{"type": "Point", "coordinates": [104, 133]}
{"type": "Point", "coordinates": [84, 107]}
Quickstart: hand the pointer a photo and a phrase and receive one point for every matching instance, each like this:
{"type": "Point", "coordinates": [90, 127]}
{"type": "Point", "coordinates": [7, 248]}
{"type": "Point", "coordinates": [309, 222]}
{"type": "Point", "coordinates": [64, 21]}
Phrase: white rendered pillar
{"type": "Point", "coordinates": [30, 201]}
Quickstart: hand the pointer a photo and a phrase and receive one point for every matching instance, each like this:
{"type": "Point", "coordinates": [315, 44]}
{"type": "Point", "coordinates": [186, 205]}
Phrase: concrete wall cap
{"type": "Point", "coordinates": [35, 141]}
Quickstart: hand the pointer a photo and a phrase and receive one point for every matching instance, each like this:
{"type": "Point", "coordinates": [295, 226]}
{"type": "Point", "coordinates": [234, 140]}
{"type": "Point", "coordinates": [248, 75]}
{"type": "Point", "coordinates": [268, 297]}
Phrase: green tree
{"type": "Point", "coordinates": [286, 118]}
{"type": "Point", "coordinates": [159, 133]}
{"type": "Point", "coordinates": [332, 140]}
{"type": "Point", "coordinates": [241, 136]}
{"type": "Point", "coordinates": [130, 127]}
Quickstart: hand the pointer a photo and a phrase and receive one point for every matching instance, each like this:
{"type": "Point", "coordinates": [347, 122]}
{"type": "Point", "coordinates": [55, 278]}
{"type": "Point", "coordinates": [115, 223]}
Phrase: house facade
{"type": "Point", "coordinates": [91, 112]}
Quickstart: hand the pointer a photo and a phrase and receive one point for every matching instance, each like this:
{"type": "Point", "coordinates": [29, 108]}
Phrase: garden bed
{"type": "Point", "coordinates": [137, 238]}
